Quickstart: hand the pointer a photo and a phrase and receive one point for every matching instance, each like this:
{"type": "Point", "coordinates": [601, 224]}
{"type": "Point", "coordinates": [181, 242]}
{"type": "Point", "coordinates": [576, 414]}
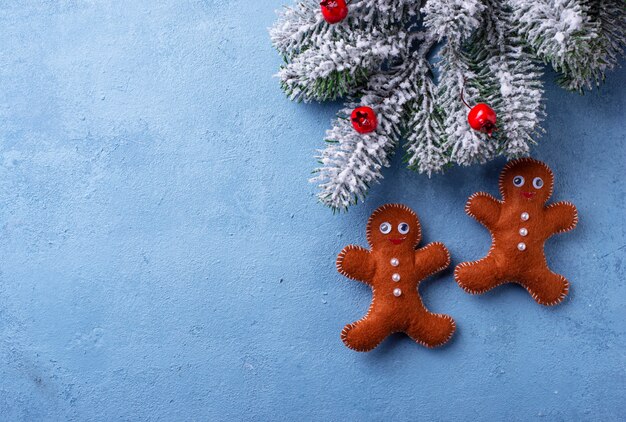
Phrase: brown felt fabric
{"type": "Point", "coordinates": [505, 262]}
{"type": "Point", "coordinates": [389, 313]}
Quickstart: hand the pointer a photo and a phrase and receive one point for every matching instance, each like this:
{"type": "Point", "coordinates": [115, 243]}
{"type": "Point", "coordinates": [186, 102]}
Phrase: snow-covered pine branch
{"type": "Point", "coordinates": [610, 15]}
{"type": "Point", "coordinates": [563, 33]}
{"type": "Point", "coordinates": [509, 79]}
{"type": "Point", "coordinates": [299, 27]}
{"type": "Point", "coordinates": [425, 134]}
{"type": "Point", "coordinates": [378, 55]}
{"type": "Point", "coordinates": [456, 20]}
{"type": "Point", "coordinates": [352, 162]}
{"type": "Point", "coordinates": [335, 68]}
{"type": "Point", "coordinates": [464, 145]}
{"type": "Point", "coordinates": [326, 62]}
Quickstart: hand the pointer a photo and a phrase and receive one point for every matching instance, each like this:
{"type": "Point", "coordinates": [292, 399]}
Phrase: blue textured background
{"type": "Point", "coordinates": [163, 256]}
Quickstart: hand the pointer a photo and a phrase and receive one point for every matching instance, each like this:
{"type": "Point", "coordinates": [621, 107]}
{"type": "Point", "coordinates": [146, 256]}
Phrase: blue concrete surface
{"type": "Point", "coordinates": [162, 256]}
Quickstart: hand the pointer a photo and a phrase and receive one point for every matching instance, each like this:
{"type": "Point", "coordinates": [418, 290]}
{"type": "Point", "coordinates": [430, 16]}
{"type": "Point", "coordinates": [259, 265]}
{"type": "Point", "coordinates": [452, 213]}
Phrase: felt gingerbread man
{"type": "Point", "coordinates": [393, 268]}
{"type": "Point", "coordinates": [520, 224]}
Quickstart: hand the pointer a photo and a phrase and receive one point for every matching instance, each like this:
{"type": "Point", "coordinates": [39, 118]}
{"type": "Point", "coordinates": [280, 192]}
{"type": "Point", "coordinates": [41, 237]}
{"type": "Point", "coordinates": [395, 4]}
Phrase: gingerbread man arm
{"type": "Point", "coordinates": [432, 258]}
{"type": "Point", "coordinates": [560, 217]}
{"type": "Point", "coordinates": [356, 263]}
{"type": "Point", "coordinates": [484, 208]}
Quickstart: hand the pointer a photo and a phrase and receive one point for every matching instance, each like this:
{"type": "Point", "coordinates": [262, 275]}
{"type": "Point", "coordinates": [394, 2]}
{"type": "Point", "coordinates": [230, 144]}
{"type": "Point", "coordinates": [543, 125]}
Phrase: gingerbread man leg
{"type": "Point", "coordinates": [431, 330]}
{"type": "Point", "coordinates": [546, 287]}
{"type": "Point", "coordinates": [478, 276]}
{"type": "Point", "coordinates": [367, 333]}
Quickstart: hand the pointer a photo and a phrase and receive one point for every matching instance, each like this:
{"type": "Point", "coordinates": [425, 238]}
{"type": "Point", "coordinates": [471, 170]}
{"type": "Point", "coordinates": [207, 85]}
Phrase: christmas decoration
{"type": "Point", "coordinates": [481, 117]}
{"type": "Point", "coordinates": [334, 10]}
{"type": "Point", "coordinates": [379, 56]}
{"type": "Point", "coordinates": [519, 224]}
{"type": "Point", "coordinates": [394, 268]}
{"type": "Point", "coordinates": [363, 119]}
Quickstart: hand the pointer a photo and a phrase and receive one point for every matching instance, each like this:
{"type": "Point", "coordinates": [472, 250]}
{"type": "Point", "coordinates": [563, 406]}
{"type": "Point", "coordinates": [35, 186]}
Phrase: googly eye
{"type": "Point", "coordinates": [385, 228]}
{"type": "Point", "coordinates": [538, 182]}
{"type": "Point", "coordinates": [518, 181]}
{"type": "Point", "coordinates": [403, 228]}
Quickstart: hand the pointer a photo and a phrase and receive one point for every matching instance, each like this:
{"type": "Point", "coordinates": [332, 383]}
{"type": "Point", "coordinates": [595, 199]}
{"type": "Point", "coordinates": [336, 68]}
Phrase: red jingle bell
{"type": "Point", "coordinates": [334, 10]}
{"type": "Point", "coordinates": [364, 119]}
{"type": "Point", "coordinates": [482, 118]}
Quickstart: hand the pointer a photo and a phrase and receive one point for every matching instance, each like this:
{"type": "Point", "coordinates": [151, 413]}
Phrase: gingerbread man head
{"type": "Point", "coordinates": [393, 226]}
{"type": "Point", "coordinates": [526, 181]}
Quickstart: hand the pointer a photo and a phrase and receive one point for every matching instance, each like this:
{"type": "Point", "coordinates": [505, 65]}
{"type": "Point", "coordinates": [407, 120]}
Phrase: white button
{"type": "Point", "coordinates": [395, 277]}
{"type": "Point", "coordinates": [397, 292]}
{"type": "Point", "coordinates": [523, 231]}
{"type": "Point", "coordinates": [394, 262]}
{"type": "Point", "coordinates": [521, 246]}
{"type": "Point", "coordinates": [524, 216]}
